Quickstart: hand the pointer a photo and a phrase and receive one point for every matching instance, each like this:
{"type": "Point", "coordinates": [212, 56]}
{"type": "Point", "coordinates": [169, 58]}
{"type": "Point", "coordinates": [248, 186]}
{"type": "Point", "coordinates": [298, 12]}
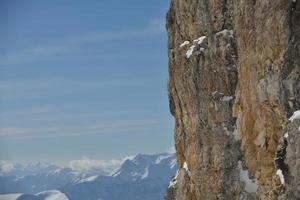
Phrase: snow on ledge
{"type": "Point", "coordinates": [281, 177]}
{"type": "Point", "coordinates": [184, 44]}
{"type": "Point", "coordinates": [190, 51]}
{"type": "Point", "coordinates": [199, 40]}
{"type": "Point", "coordinates": [185, 166]}
{"type": "Point", "coordinates": [296, 115]}
{"type": "Point", "coordinates": [227, 98]}
{"type": "Point", "coordinates": [174, 180]}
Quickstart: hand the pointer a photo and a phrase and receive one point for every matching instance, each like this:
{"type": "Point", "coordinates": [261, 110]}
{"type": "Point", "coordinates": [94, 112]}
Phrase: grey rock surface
{"type": "Point", "coordinates": [234, 71]}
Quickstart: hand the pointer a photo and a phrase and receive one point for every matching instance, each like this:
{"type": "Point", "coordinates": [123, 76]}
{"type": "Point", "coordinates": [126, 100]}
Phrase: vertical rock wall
{"type": "Point", "coordinates": [234, 82]}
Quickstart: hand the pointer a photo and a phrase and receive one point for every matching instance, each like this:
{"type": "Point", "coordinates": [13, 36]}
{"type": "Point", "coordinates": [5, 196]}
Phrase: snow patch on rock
{"type": "Point", "coordinates": [184, 44]}
{"type": "Point", "coordinates": [189, 52]}
{"type": "Point", "coordinates": [281, 177]}
{"type": "Point", "coordinates": [227, 98]}
{"type": "Point", "coordinates": [296, 115]}
{"type": "Point", "coordinates": [174, 180]}
{"type": "Point", "coordinates": [199, 40]}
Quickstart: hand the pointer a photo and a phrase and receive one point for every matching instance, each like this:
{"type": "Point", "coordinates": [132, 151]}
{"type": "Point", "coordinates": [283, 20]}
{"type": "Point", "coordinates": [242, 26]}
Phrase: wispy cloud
{"type": "Point", "coordinates": [36, 111]}
{"type": "Point", "coordinates": [20, 89]}
{"type": "Point", "coordinates": [75, 43]}
{"type": "Point", "coordinates": [14, 131]}
{"type": "Point", "coordinates": [38, 53]}
{"type": "Point", "coordinates": [100, 128]}
{"type": "Point", "coordinates": [154, 26]}
{"type": "Point", "coordinates": [46, 83]}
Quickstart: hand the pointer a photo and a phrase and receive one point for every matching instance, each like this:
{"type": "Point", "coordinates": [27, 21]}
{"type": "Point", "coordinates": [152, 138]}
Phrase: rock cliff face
{"type": "Point", "coordinates": [234, 82]}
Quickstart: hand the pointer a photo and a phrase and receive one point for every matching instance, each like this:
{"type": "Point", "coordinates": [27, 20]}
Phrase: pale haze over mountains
{"type": "Point", "coordinates": [140, 177]}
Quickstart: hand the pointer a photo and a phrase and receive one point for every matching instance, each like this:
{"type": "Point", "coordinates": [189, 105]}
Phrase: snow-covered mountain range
{"type": "Point", "coordinates": [141, 177]}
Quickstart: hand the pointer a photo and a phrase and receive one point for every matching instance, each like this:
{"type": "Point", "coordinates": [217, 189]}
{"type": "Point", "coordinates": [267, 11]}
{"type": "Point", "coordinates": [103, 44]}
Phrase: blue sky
{"type": "Point", "coordinates": [83, 78]}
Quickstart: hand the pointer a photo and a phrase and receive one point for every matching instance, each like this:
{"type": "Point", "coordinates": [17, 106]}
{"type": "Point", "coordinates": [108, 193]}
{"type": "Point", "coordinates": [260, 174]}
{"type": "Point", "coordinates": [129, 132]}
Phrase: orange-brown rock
{"type": "Point", "coordinates": [234, 70]}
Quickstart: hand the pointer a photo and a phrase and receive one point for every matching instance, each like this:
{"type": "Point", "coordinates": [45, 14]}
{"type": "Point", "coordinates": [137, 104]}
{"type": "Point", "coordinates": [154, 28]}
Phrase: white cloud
{"type": "Point", "coordinates": [108, 127]}
{"type": "Point", "coordinates": [48, 109]}
{"type": "Point", "coordinates": [87, 164]}
{"type": "Point", "coordinates": [14, 131]}
{"type": "Point", "coordinates": [30, 88]}
{"type": "Point", "coordinates": [6, 167]}
{"type": "Point", "coordinates": [34, 54]}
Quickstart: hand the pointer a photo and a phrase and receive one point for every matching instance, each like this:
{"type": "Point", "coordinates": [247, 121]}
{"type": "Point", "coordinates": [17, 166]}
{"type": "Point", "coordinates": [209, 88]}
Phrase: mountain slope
{"type": "Point", "coordinates": [143, 177]}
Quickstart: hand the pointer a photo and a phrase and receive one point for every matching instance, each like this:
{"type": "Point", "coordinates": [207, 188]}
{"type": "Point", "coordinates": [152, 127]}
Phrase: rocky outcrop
{"type": "Point", "coordinates": [234, 71]}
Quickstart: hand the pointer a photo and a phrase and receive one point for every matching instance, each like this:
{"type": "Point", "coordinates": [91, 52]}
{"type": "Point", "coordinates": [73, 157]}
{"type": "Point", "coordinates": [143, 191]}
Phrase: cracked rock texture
{"type": "Point", "coordinates": [234, 81]}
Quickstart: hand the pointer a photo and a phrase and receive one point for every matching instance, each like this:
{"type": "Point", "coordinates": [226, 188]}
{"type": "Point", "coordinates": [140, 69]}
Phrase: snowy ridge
{"type": "Point", "coordinates": [143, 176]}
{"type": "Point", "coordinates": [9, 196]}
